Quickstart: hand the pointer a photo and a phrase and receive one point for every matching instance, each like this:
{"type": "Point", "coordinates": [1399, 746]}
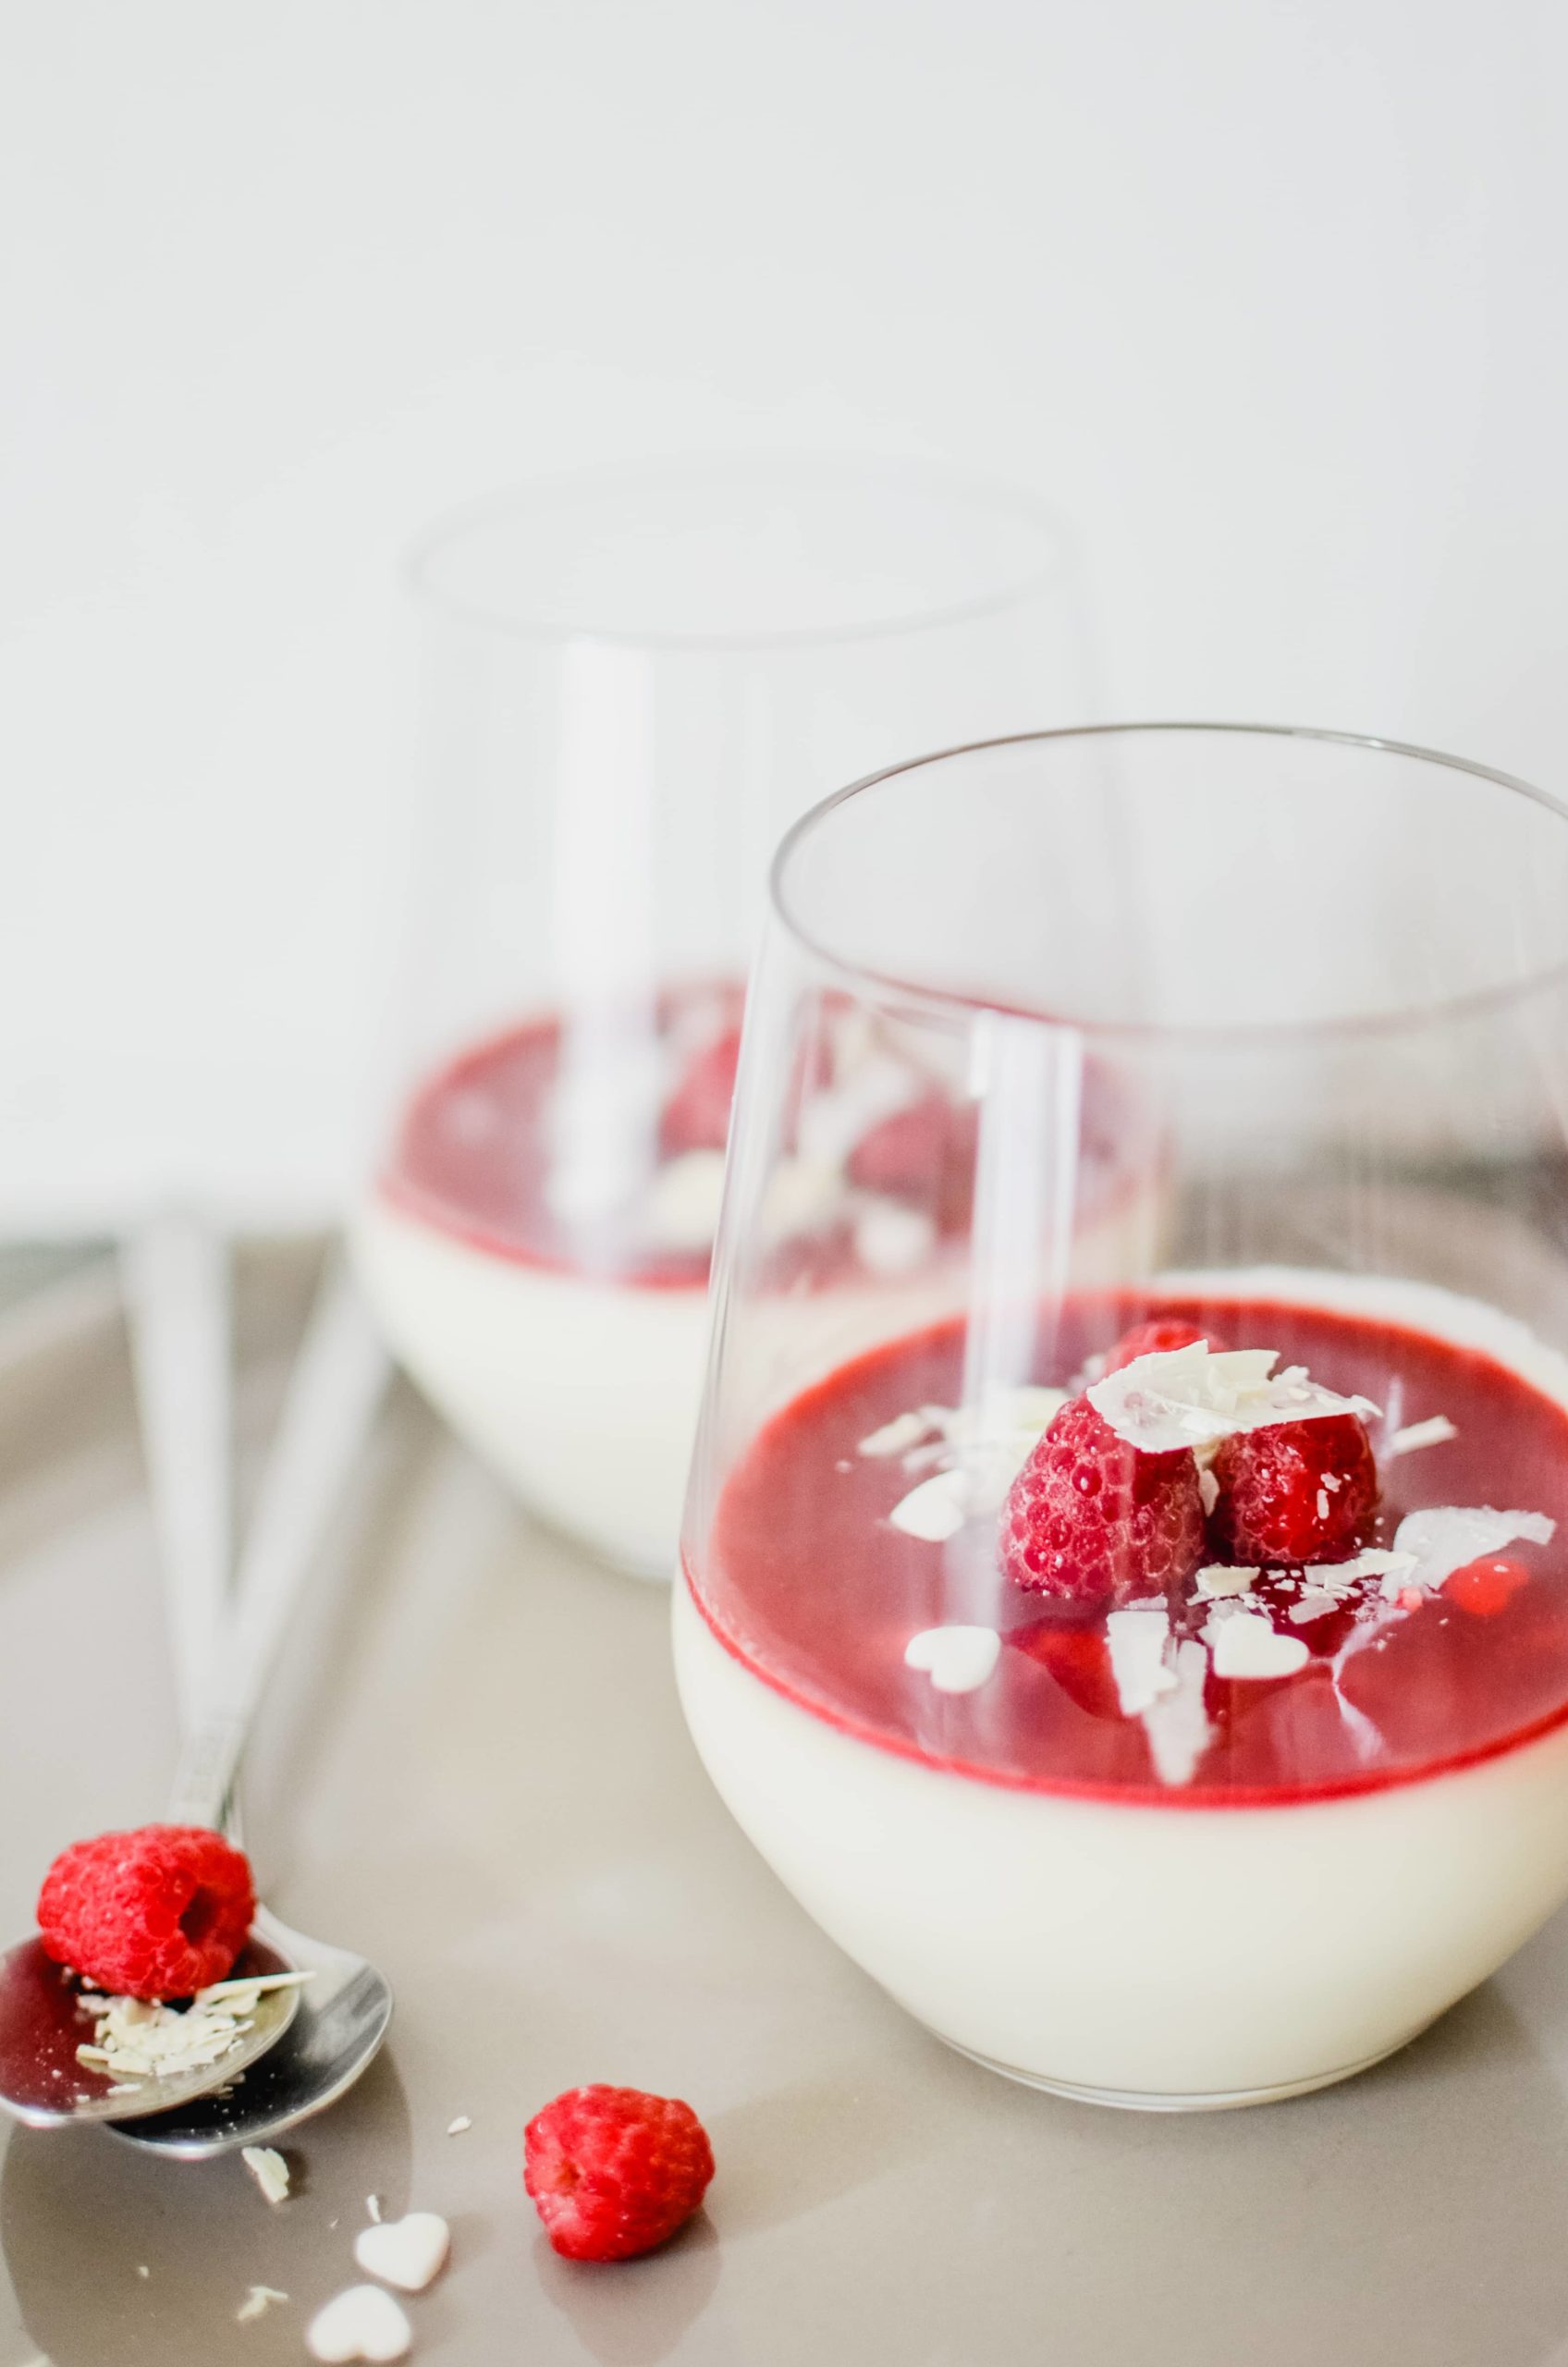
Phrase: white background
{"type": "Point", "coordinates": [1268, 299]}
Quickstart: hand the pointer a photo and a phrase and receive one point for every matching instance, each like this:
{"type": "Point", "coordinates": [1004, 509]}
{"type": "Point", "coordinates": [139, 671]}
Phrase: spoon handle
{"type": "Point", "coordinates": [174, 1270]}
{"type": "Point", "coordinates": [332, 1403]}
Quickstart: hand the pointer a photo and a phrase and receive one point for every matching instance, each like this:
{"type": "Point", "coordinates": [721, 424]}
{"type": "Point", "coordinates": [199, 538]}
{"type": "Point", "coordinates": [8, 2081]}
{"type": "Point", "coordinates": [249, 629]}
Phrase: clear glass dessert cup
{"type": "Point", "coordinates": [635, 679]}
{"type": "Point", "coordinates": [1173, 1718]}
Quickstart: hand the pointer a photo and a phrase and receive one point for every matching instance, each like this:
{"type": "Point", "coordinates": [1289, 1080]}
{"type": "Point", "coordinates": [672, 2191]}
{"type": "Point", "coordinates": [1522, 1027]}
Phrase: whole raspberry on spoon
{"type": "Point", "coordinates": [160, 1912]}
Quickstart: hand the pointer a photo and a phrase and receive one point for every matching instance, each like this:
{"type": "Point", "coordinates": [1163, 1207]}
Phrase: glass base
{"type": "Point", "coordinates": [1128, 2100]}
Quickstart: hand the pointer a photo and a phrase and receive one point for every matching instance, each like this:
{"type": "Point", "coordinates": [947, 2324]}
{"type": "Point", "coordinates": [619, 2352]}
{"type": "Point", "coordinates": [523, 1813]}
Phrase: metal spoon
{"type": "Point", "coordinates": [175, 1277]}
{"type": "Point", "coordinates": [337, 1388]}
{"type": "Point", "coordinates": [346, 2007]}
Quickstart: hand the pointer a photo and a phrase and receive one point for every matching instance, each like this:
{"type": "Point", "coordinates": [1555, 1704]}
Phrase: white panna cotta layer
{"type": "Point", "coordinates": [1151, 1954]}
{"type": "Point", "coordinates": [583, 1394]}
{"type": "Point", "coordinates": [580, 1393]}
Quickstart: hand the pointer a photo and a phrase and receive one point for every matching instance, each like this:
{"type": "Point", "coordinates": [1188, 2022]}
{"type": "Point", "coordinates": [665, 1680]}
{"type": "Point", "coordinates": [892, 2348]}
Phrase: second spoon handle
{"type": "Point", "coordinates": [176, 1271]}
{"type": "Point", "coordinates": [333, 1398]}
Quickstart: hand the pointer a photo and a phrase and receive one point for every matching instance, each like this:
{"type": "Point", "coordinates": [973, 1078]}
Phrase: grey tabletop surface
{"type": "Point", "coordinates": [474, 1769]}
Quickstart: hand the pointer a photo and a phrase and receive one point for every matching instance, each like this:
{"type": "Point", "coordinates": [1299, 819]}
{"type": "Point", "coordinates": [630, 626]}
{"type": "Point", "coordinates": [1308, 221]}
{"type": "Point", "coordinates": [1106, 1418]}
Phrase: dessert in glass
{"type": "Point", "coordinates": [1151, 1664]}
{"type": "Point", "coordinates": [635, 680]}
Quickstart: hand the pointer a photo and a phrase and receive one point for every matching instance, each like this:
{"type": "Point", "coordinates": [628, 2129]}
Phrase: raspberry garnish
{"type": "Point", "coordinates": [613, 2172]}
{"type": "Point", "coordinates": [1090, 1519]}
{"type": "Point", "coordinates": [923, 1153]}
{"type": "Point", "coordinates": [1485, 1586]}
{"type": "Point", "coordinates": [1297, 1491]}
{"type": "Point", "coordinates": [696, 1116]}
{"type": "Point", "coordinates": [1159, 1338]}
{"type": "Point", "coordinates": [160, 1912]}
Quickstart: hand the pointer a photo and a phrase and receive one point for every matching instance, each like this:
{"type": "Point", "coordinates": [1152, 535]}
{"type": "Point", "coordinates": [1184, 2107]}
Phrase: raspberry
{"type": "Point", "coordinates": [696, 1116]}
{"type": "Point", "coordinates": [1487, 1587]}
{"type": "Point", "coordinates": [925, 1153]}
{"type": "Point", "coordinates": [1090, 1518]}
{"type": "Point", "coordinates": [1157, 1338]}
{"type": "Point", "coordinates": [155, 1913]}
{"type": "Point", "coordinates": [613, 2172]}
{"type": "Point", "coordinates": [1297, 1491]}
{"type": "Point", "coordinates": [1079, 1661]}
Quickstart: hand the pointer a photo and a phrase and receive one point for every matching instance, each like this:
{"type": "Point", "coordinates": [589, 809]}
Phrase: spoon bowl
{"type": "Point", "coordinates": [337, 2017]}
{"type": "Point", "coordinates": [43, 2021]}
{"type": "Point", "coordinates": [341, 2017]}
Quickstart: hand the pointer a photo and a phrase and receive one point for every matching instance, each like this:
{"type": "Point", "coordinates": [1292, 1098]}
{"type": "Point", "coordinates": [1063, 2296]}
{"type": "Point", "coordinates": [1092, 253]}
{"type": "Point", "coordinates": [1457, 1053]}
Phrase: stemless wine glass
{"type": "Point", "coordinates": [1138, 1632]}
{"type": "Point", "coordinates": [636, 679]}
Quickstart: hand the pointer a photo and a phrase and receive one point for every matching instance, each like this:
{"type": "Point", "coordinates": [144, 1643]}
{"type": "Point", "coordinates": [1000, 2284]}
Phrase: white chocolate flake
{"type": "Point", "coordinates": [1195, 1396]}
{"type": "Point", "coordinates": [257, 2302]}
{"type": "Point", "coordinates": [1178, 1725]}
{"type": "Point", "coordinates": [956, 1660]}
{"type": "Point", "coordinates": [995, 1439]}
{"type": "Point", "coordinates": [269, 2169]}
{"type": "Point", "coordinates": [1338, 1577]}
{"type": "Point", "coordinates": [1136, 1637]}
{"type": "Point", "coordinates": [1218, 1578]}
{"type": "Point", "coordinates": [1443, 1538]}
{"type": "Point", "coordinates": [135, 2039]}
{"type": "Point", "coordinates": [1437, 1431]}
{"type": "Point", "coordinates": [905, 1430]}
{"type": "Point", "coordinates": [1315, 1603]}
{"type": "Point", "coordinates": [460, 2126]}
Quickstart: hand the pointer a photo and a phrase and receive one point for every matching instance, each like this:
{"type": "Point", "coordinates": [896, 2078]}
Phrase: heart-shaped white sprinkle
{"type": "Point", "coordinates": [1248, 1646]}
{"type": "Point", "coordinates": [956, 1660]}
{"type": "Point", "coordinates": [935, 1510]}
{"type": "Point", "coordinates": [407, 2252]}
{"type": "Point", "coordinates": [363, 2323]}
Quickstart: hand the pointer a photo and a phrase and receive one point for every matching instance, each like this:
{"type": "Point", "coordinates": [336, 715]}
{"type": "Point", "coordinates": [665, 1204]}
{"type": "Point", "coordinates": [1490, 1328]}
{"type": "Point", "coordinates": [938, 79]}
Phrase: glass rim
{"type": "Point", "coordinates": [1414, 1020]}
{"type": "Point", "coordinates": [1016, 504]}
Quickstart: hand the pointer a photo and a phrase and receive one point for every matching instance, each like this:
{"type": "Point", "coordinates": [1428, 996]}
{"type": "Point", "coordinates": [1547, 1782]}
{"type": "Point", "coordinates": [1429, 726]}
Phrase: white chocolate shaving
{"type": "Point", "coordinates": [1443, 1538]}
{"type": "Point", "coordinates": [1414, 1435]}
{"type": "Point", "coordinates": [1191, 1397]}
{"type": "Point", "coordinates": [269, 2169]}
{"type": "Point", "coordinates": [1218, 1578]}
{"type": "Point", "coordinates": [1178, 1725]}
{"type": "Point", "coordinates": [1136, 1638]}
{"type": "Point", "coordinates": [905, 1430]}
{"type": "Point", "coordinates": [257, 2302]}
{"type": "Point", "coordinates": [135, 2038]}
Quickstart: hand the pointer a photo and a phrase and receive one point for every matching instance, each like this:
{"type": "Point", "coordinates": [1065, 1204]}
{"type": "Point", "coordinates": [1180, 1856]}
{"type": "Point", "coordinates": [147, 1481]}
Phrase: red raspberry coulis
{"type": "Point", "coordinates": [806, 1583]}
